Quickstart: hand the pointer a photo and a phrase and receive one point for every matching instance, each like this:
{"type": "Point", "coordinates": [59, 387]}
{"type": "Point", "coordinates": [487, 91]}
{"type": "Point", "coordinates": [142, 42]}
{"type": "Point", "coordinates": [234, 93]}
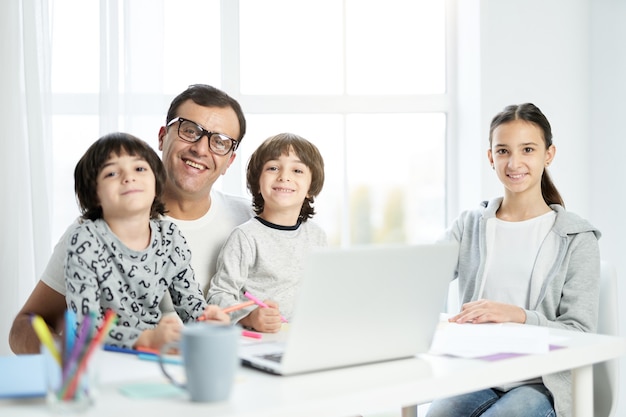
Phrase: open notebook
{"type": "Point", "coordinates": [361, 305]}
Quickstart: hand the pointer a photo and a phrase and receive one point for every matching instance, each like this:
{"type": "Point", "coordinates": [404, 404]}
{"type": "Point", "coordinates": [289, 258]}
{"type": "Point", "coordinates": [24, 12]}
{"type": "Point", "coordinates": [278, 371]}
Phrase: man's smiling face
{"type": "Point", "coordinates": [192, 168]}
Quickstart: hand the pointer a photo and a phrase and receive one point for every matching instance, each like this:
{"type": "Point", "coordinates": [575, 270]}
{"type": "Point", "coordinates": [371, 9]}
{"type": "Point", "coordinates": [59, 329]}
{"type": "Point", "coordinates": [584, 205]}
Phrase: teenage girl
{"type": "Point", "coordinates": [524, 259]}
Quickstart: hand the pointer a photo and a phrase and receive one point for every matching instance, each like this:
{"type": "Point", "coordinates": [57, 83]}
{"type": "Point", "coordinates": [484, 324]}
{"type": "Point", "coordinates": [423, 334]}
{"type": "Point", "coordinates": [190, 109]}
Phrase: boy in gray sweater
{"type": "Point", "coordinates": [264, 255]}
{"type": "Point", "coordinates": [121, 256]}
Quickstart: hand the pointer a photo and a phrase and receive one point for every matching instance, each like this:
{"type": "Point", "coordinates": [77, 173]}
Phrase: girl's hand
{"type": "Point", "coordinates": [266, 320]}
{"type": "Point", "coordinates": [487, 311]}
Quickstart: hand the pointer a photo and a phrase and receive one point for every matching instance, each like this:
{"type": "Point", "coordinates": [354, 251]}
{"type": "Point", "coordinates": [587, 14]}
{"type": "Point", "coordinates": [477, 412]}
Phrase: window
{"type": "Point", "coordinates": [364, 80]}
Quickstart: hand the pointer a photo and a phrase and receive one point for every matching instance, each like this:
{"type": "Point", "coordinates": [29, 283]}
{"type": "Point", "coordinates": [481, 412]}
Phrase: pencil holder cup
{"type": "Point", "coordinates": [210, 358]}
{"type": "Point", "coordinates": [71, 388]}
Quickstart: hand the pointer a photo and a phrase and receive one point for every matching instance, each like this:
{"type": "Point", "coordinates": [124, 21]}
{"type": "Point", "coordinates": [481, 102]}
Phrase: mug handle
{"type": "Point", "coordinates": [165, 348]}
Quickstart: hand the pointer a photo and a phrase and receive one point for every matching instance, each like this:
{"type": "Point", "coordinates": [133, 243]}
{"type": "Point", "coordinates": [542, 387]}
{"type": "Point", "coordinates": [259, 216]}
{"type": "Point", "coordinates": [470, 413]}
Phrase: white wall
{"type": "Point", "coordinates": [607, 143]}
{"type": "Point", "coordinates": [525, 51]}
{"type": "Point", "coordinates": [567, 57]}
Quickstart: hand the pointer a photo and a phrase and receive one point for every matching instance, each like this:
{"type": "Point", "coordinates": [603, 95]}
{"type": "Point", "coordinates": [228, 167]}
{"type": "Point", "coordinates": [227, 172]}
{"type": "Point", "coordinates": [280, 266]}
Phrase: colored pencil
{"type": "Point", "coordinates": [165, 359]}
{"type": "Point", "coordinates": [261, 304]}
{"type": "Point", "coordinates": [96, 342]}
{"type": "Point", "coordinates": [254, 335]}
{"type": "Point", "coordinates": [238, 306]}
{"type": "Point", "coordinates": [70, 334]}
{"type": "Point", "coordinates": [79, 344]}
{"type": "Point", "coordinates": [136, 351]}
{"type": "Point", "coordinates": [118, 349]}
{"type": "Point", "coordinates": [45, 337]}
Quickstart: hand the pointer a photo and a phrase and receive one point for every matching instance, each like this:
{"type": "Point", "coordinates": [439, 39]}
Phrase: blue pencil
{"type": "Point", "coordinates": [70, 334]}
{"type": "Point", "coordinates": [122, 350]}
{"type": "Point", "coordinates": [78, 347]}
{"type": "Point", "coordinates": [155, 358]}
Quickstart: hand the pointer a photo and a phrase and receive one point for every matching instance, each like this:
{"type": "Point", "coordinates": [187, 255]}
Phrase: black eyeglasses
{"type": "Point", "coordinates": [192, 132]}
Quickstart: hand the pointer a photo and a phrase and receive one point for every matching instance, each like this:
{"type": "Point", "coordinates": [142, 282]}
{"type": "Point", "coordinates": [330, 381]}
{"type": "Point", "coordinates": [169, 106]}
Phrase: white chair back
{"type": "Point", "coordinates": [605, 374]}
{"type": "Point", "coordinates": [453, 304]}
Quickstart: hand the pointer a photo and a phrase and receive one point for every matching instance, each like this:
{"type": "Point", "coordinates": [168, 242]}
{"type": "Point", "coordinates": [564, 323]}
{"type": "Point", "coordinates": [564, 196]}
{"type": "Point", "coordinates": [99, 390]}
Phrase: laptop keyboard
{"type": "Point", "coordinates": [274, 357]}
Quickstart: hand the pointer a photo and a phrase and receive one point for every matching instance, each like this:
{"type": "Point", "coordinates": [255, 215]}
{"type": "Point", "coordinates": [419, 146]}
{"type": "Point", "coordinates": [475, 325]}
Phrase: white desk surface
{"type": "Point", "coordinates": [341, 392]}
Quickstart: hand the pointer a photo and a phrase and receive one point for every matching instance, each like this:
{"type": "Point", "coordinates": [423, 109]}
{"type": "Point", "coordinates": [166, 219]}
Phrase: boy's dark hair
{"type": "Point", "coordinates": [90, 165]}
{"type": "Point", "coordinates": [271, 149]}
{"type": "Point", "coordinates": [207, 96]}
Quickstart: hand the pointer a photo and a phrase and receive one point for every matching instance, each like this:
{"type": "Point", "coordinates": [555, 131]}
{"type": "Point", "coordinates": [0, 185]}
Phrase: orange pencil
{"type": "Point", "coordinates": [238, 307]}
{"type": "Point", "coordinates": [147, 350]}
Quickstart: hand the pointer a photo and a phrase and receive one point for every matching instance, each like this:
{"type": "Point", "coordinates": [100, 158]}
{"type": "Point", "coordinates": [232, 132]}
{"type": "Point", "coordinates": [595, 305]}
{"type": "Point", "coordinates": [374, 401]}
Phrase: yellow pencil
{"type": "Point", "coordinates": [45, 337]}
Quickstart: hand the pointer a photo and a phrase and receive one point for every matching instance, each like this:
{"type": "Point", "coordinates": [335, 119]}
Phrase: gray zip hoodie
{"type": "Point", "coordinates": [567, 296]}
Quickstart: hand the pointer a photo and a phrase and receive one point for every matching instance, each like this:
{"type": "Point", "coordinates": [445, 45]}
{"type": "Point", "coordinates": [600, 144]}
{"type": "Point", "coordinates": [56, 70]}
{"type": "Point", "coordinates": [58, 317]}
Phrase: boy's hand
{"type": "Point", "coordinates": [266, 320]}
{"type": "Point", "coordinates": [168, 330]}
{"type": "Point", "coordinates": [214, 313]}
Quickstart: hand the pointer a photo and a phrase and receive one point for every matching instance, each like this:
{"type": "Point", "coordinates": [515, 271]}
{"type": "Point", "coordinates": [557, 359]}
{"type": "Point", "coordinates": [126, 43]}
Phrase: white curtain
{"type": "Point", "coordinates": [25, 154]}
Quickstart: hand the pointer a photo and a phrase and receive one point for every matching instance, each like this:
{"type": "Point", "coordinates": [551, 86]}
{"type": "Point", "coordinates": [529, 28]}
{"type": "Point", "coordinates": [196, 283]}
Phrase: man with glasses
{"type": "Point", "coordinates": [205, 216]}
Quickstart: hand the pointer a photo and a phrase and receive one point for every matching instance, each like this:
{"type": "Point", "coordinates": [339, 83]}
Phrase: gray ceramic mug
{"type": "Point", "coordinates": [210, 359]}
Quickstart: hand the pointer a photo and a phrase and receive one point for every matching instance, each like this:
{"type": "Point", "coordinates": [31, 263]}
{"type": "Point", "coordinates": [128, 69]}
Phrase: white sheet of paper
{"type": "Point", "coordinates": [478, 340]}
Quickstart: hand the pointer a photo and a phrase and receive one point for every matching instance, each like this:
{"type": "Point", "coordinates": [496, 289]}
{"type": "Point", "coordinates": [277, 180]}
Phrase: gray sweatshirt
{"type": "Point", "coordinates": [266, 260]}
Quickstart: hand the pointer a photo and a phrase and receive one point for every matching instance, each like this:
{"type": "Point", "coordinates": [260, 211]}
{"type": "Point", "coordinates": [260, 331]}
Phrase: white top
{"type": "Point", "coordinates": [513, 251]}
{"type": "Point", "coordinates": [511, 259]}
{"type": "Point", "coordinates": [206, 235]}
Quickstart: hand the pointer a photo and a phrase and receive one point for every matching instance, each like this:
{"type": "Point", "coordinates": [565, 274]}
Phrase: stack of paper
{"type": "Point", "coordinates": [484, 340]}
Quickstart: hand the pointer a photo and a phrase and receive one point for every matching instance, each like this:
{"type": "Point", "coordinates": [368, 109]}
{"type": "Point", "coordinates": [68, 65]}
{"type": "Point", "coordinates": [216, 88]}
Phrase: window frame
{"type": "Point", "coordinates": [153, 104]}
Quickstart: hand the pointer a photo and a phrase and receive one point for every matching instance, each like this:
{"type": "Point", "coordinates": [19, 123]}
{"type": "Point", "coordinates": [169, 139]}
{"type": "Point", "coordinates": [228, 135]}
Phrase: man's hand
{"type": "Point", "coordinates": [44, 302]}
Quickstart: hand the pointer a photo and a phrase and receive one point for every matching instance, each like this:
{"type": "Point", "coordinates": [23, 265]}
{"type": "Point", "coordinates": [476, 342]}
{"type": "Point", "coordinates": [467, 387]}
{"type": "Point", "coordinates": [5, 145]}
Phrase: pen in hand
{"type": "Point", "coordinates": [261, 304]}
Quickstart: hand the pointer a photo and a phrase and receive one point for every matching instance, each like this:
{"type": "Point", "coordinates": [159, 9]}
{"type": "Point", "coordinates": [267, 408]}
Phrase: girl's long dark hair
{"type": "Point", "coordinates": [531, 113]}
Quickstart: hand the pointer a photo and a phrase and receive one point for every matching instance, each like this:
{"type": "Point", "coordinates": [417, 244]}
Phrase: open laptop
{"type": "Point", "coordinates": [360, 305]}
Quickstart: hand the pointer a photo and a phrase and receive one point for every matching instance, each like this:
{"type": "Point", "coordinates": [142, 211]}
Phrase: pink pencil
{"type": "Point", "coordinates": [253, 335]}
{"type": "Point", "coordinates": [261, 304]}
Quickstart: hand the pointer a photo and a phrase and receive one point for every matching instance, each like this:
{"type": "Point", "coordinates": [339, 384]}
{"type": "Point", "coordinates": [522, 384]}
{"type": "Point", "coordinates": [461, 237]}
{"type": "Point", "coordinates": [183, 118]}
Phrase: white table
{"type": "Point", "coordinates": [346, 392]}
